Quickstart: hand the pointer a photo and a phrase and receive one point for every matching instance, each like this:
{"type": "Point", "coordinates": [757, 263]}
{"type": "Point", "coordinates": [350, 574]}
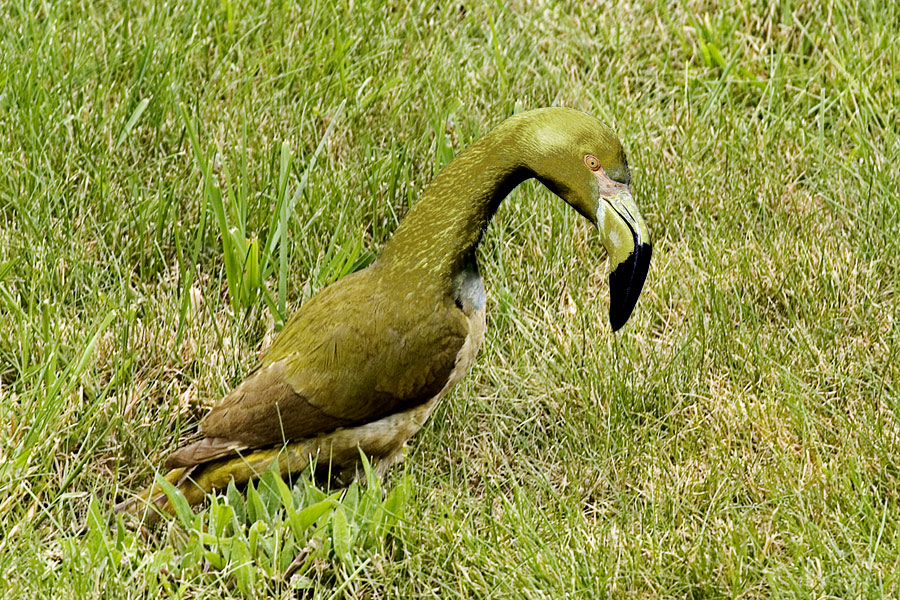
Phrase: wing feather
{"type": "Point", "coordinates": [346, 358]}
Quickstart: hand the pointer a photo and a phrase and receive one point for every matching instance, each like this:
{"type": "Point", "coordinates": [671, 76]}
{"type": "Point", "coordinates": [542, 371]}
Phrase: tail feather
{"type": "Point", "coordinates": [151, 502]}
{"type": "Point", "coordinates": [206, 450]}
{"type": "Point", "coordinates": [196, 481]}
{"type": "Point", "coordinates": [212, 463]}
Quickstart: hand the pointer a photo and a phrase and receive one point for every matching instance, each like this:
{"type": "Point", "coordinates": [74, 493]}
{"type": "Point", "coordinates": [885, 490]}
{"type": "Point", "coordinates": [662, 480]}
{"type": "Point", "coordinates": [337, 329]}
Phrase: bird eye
{"type": "Point", "coordinates": [592, 163]}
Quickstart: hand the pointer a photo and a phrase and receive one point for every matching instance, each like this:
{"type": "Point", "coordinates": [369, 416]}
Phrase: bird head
{"type": "Point", "coordinates": [582, 161]}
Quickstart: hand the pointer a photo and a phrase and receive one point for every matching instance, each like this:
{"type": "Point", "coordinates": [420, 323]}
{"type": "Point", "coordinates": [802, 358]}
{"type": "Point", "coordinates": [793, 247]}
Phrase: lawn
{"type": "Point", "coordinates": [177, 178]}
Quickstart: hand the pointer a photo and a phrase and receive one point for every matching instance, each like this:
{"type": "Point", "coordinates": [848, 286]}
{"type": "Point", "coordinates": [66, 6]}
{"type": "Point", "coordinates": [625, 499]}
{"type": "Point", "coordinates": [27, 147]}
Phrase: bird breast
{"type": "Point", "coordinates": [383, 439]}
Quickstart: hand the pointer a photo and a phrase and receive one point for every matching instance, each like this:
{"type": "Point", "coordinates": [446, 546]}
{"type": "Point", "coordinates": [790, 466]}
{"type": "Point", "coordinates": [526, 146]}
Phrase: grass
{"type": "Point", "coordinates": [739, 438]}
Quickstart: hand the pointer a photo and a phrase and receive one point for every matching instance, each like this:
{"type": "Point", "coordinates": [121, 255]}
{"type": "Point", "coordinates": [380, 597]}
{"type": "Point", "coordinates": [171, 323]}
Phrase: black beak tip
{"type": "Point", "coordinates": [617, 320]}
{"type": "Point", "coordinates": [626, 283]}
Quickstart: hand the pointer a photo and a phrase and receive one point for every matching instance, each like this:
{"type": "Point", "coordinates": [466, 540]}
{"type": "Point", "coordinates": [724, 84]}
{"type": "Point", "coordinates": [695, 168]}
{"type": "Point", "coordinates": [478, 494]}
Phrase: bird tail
{"type": "Point", "coordinates": [339, 449]}
{"type": "Point", "coordinates": [205, 450]}
{"type": "Point", "coordinates": [196, 481]}
{"type": "Point", "coordinates": [149, 504]}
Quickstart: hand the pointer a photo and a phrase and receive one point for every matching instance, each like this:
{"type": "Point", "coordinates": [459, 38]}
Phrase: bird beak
{"type": "Point", "coordinates": [627, 241]}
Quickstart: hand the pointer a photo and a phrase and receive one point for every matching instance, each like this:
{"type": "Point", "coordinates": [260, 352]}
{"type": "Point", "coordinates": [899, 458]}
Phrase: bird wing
{"type": "Point", "coordinates": [347, 357]}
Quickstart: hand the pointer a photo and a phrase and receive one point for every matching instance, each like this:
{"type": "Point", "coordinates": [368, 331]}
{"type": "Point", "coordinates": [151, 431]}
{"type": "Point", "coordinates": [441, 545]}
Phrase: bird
{"type": "Point", "coordinates": [361, 366]}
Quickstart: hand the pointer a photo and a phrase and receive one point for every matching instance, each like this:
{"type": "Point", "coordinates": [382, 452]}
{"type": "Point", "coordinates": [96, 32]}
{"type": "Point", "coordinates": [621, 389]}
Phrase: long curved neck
{"type": "Point", "coordinates": [441, 233]}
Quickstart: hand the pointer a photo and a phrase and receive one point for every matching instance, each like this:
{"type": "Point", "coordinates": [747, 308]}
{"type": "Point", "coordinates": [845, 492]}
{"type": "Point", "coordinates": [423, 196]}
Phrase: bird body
{"type": "Point", "coordinates": [354, 370]}
{"type": "Point", "coordinates": [362, 364]}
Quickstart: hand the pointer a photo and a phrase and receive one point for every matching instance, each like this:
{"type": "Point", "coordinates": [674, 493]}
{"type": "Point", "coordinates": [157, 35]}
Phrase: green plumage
{"type": "Point", "coordinates": [363, 362]}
